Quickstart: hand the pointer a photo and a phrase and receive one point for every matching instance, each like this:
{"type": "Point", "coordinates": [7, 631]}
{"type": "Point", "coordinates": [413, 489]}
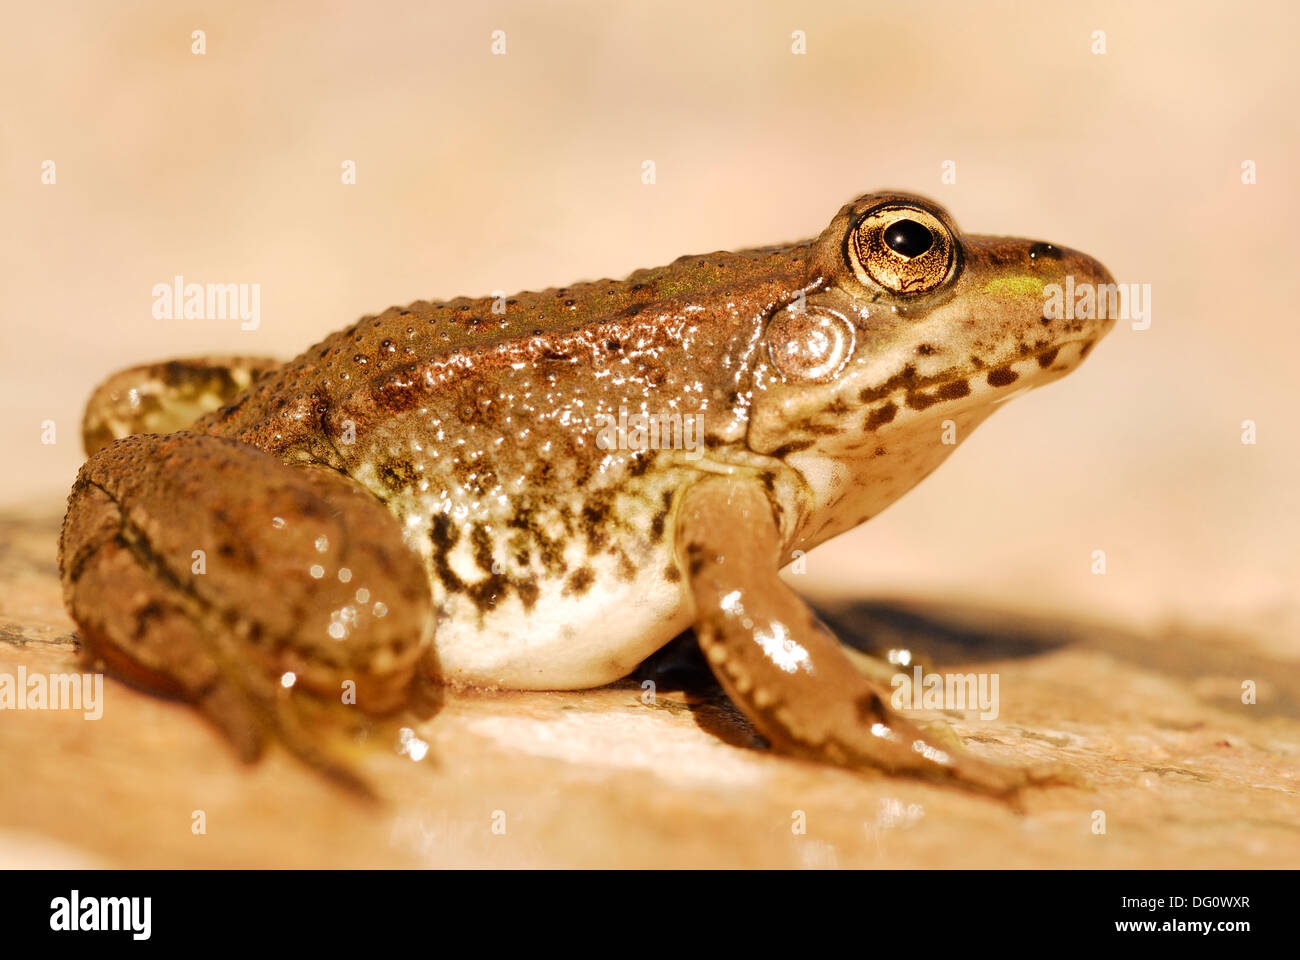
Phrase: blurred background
{"type": "Point", "coordinates": [477, 172]}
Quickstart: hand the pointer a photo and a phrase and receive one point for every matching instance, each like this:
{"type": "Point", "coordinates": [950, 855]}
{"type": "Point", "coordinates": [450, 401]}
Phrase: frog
{"type": "Point", "coordinates": [538, 491]}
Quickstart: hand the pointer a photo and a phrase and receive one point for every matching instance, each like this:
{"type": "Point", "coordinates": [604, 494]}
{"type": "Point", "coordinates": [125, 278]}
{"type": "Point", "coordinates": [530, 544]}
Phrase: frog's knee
{"type": "Point", "coordinates": [165, 397]}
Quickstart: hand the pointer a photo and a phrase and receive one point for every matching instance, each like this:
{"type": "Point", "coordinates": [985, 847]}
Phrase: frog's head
{"type": "Point", "coordinates": [907, 335]}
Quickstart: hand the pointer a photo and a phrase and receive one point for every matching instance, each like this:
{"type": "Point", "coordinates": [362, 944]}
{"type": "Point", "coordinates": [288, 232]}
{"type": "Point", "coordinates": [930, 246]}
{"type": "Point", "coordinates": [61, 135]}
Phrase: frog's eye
{"type": "Point", "coordinates": [809, 343]}
{"type": "Point", "coordinates": [902, 248]}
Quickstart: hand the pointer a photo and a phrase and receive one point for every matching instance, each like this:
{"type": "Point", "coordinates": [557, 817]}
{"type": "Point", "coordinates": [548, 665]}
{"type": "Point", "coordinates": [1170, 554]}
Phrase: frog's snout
{"type": "Point", "coordinates": [1043, 291]}
{"type": "Point", "coordinates": [1084, 297]}
{"type": "Point", "coordinates": [1084, 268]}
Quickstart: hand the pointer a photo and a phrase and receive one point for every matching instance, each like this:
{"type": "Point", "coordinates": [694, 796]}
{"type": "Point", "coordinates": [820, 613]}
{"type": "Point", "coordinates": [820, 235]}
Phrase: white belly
{"type": "Point", "coordinates": [564, 642]}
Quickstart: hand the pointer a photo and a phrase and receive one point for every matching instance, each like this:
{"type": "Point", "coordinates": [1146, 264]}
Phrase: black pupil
{"type": "Point", "coordinates": [908, 238]}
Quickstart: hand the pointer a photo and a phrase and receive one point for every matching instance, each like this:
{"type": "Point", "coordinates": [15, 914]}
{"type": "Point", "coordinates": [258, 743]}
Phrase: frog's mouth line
{"type": "Point", "coordinates": [883, 408]}
{"type": "Point", "coordinates": [994, 376]}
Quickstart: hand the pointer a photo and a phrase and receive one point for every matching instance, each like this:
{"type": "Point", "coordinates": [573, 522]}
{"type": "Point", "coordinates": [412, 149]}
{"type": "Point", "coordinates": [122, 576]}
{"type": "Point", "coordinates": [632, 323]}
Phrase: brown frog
{"type": "Point", "coordinates": [539, 491]}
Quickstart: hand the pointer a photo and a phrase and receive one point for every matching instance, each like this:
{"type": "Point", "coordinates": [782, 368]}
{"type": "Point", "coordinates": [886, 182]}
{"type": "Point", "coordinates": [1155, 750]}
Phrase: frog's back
{"type": "Point", "coordinates": [691, 307]}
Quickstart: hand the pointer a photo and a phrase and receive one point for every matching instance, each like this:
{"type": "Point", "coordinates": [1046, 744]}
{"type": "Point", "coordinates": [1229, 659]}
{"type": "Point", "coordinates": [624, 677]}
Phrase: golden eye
{"type": "Point", "coordinates": [905, 249]}
{"type": "Point", "coordinates": [809, 344]}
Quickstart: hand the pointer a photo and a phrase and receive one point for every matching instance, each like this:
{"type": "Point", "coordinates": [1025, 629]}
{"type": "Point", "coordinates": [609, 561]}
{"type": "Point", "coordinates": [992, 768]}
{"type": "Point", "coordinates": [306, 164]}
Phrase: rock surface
{"type": "Point", "coordinates": [1185, 774]}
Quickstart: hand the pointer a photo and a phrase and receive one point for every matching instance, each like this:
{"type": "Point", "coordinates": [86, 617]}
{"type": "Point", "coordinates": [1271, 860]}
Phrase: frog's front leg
{"type": "Point", "coordinates": [165, 397]}
{"type": "Point", "coordinates": [782, 667]}
{"type": "Point", "coordinates": [202, 567]}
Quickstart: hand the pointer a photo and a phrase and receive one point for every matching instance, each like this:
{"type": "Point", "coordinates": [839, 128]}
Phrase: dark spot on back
{"type": "Point", "coordinates": [1046, 359]}
{"type": "Point", "coordinates": [399, 392]}
{"type": "Point", "coordinates": [1002, 376]}
{"type": "Point", "coordinates": [397, 474]}
{"type": "Point", "coordinates": [640, 462]}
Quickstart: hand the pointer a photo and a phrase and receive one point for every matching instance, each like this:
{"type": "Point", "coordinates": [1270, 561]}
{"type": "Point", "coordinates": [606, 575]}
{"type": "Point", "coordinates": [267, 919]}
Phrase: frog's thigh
{"type": "Point", "coordinates": [165, 397]}
{"type": "Point", "coordinates": [781, 666]}
{"type": "Point", "coordinates": [204, 568]}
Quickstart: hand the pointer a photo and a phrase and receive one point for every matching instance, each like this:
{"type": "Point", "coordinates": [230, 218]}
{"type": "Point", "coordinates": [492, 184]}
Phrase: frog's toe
{"type": "Point", "coordinates": [235, 715]}
{"type": "Point", "coordinates": [941, 734]}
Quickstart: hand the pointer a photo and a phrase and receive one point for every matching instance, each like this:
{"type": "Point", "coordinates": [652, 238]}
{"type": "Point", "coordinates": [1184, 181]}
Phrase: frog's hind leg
{"type": "Point", "coordinates": [204, 568]}
{"type": "Point", "coordinates": [165, 397]}
{"type": "Point", "coordinates": [784, 668]}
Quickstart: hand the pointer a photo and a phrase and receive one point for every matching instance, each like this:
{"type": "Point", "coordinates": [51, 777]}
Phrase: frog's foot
{"type": "Point", "coordinates": [203, 568]}
{"type": "Point", "coordinates": [882, 674]}
{"type": "Point", "coordinates": [165, 397]}
{"type": "Point", "coordinates": [785, 670]}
